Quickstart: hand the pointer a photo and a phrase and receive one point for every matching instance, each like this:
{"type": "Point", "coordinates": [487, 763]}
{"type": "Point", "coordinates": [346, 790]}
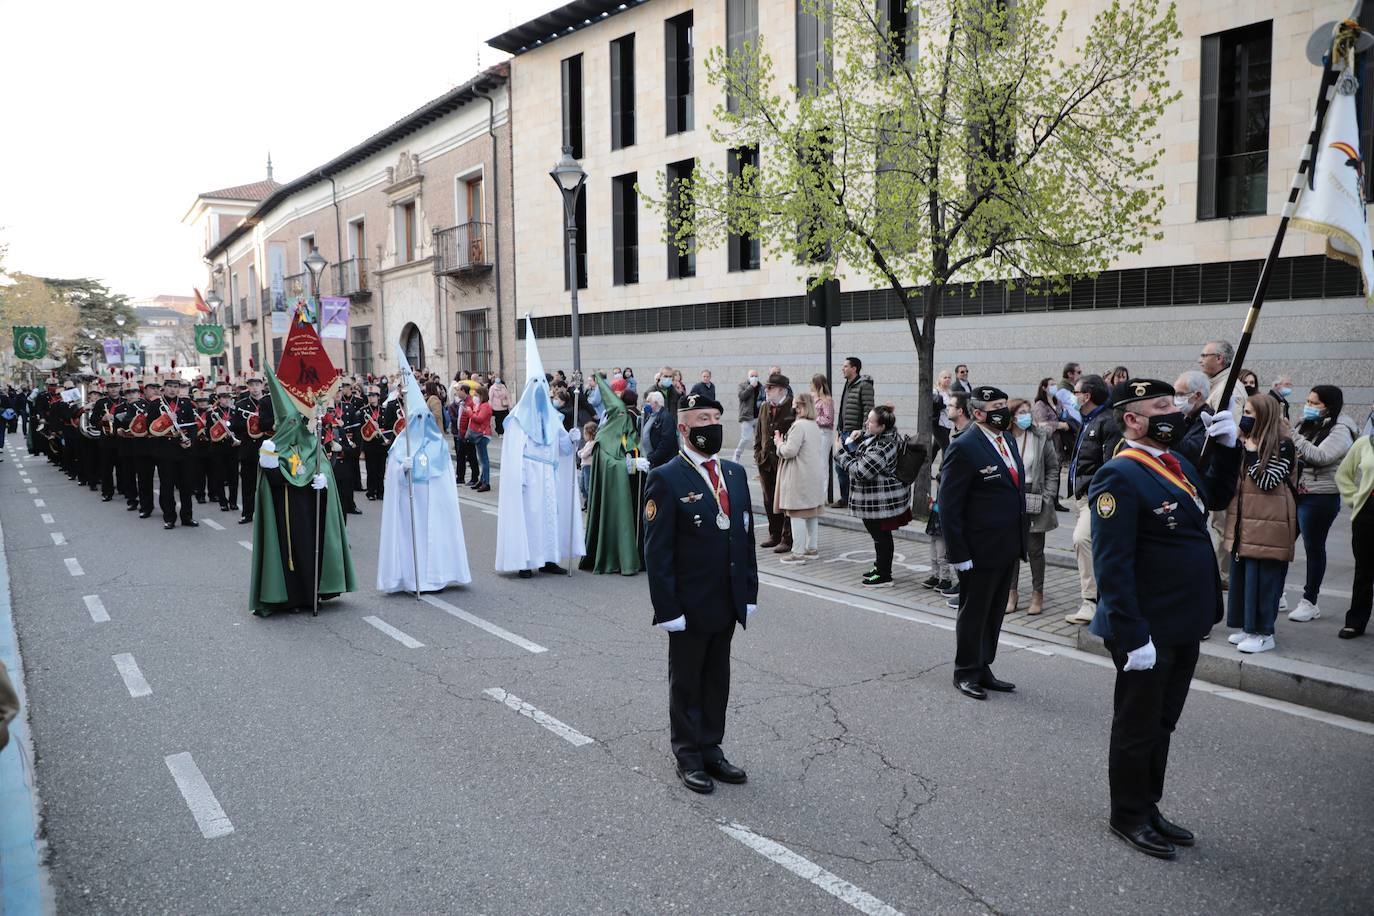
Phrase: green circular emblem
{"type": "Point", "coordinates": [30, 345]}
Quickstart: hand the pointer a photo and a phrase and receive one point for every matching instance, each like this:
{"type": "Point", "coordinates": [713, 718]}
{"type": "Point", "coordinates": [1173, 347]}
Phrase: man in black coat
{"type": "Point", "coordinates": [983, 513]}
{"type": "Point", "coordinates": [699, 554]}
{"type": "Point", "coordinates": [1160, 594]}
{"type": "Point", "coordinates": [253, 423]}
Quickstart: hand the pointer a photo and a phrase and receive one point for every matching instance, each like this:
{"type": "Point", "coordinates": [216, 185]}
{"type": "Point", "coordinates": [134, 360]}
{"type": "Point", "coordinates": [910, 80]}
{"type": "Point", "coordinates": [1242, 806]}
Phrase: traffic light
{"type": "Point", "coordinates": [823, 304]}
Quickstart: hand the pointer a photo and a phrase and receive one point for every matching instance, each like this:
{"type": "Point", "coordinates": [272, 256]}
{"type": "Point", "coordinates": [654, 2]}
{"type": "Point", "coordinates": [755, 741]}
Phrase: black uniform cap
{"type": "Point", "coordinates": [988, 393]}
{"type": "Point", "coordinates": [1140, 389]}
{"type": "Point", "coordinates": [699, 402]}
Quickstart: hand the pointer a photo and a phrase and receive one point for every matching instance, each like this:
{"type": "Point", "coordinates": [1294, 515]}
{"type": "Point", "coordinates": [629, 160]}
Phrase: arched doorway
{"type": "Point", "coordinates": [414, 346]}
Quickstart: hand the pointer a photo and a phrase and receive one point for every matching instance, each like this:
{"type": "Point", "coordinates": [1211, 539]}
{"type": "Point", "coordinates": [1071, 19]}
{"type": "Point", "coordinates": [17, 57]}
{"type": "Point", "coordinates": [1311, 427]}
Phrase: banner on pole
{"type": "Point", "coordinates": [133, 354]}
{"type": "Point", "coordinates": [114, 351]}
{"type": "Point", "coordinates": [209, 339]}
{"type": "Point", "coordinates": [334, 317]}
{"type": "Point", "coordinates": [30, 342]}
{"type": "Point", "coordinates": [305, 371]}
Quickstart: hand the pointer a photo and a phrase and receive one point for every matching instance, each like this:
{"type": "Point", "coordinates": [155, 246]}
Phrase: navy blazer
{"type": "Point", "coordinates": [982, 510]}
{"type": "Point", "coordinates": [1152, 552]}
{"type": "Point", "coordinates": [696, 570]}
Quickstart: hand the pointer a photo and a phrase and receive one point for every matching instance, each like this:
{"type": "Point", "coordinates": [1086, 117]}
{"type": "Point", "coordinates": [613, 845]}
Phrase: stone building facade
{"type": "Point", "coordinates": [1150, 312]}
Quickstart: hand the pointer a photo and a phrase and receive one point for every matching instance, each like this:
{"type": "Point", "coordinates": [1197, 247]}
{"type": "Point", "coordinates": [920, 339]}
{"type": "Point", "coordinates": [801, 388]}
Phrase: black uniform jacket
{"type": "Point", "coordinates": [982, 510]}
{"type": "Point", "coordinates": [696, 570]}
{"type": "Point", "coordinates": [1152, 554]}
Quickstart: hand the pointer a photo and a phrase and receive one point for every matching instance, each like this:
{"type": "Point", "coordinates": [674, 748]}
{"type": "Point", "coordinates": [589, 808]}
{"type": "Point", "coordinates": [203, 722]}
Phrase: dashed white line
{"type": "Point", "coordinates": [205, 808]}
{"type": "Point", "coordinates": [802, 867]}
{"type": "Point", "coordinates": [246, 545]}
{"type": "Point", "coordinates": [58, 538]}
{"type": "Point", "coordinates": [211, 523]}
{"type": "Point", "coordinates": [562, 730]}
{"type": "Point", "coordinates": [39, 503]}
{"type": "Point", "coordinates": [487, 625]}
{"type": "Point", "coordinates": [47, 519]}
{"type": "Point", "coordinates": [74, 567]}
{"type": "Point", "coordinates": [133, 678]}
{"type": "Point", "coordinates": [389, 630]}
{"type": "Point", "coordinates": [96, 608]}
{"type": "Point", "coordinates": [33, 489]}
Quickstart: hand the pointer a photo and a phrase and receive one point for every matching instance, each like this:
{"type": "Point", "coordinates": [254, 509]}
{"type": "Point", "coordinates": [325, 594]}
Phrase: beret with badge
{"type": "Point", "coordinates": [1140, 389]}
{"type": "Point", "coordinates": [988, 394]}
{"type": "Point", "coordinates": [699, 402]}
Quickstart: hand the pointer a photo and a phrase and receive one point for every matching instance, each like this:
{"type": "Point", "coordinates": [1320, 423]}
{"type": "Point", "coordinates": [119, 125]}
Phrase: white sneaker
{"type": "Point", "coordinates": [1283, 602]}
{"type": "Point", "coordinates": [1237, 637]}
{"type": "Point", "coordinates": [1304, 612]}
{"type": "Point", "coordinates": [1256, 643]}
{"type": "Point", "coordinates": [1084, 614]}
{"type": "Point", "coordinates": [794, 559]}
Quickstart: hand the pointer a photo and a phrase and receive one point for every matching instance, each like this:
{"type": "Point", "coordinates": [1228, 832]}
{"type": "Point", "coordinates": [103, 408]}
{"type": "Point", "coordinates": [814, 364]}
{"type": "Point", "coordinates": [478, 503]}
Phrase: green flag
{"type": "Point", "coordinates": [613, 502]}
{"type": "Point", "coordinates": [30, 342]}
{"type": "Point", "coordinates": [209, 339]}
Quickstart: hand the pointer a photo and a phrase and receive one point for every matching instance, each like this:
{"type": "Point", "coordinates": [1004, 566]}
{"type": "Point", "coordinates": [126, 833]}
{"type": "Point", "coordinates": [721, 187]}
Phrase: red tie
{"type": "Point", "coordinates": [1011, 465]}
{"type": "Point", "coordinates": [721, 495]}
{"type": "Point", "coordinates": [1172, 464]}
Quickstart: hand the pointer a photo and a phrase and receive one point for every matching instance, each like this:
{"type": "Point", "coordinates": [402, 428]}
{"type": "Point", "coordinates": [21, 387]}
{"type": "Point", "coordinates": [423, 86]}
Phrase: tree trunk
{"type": "Point", "coordinates": [925, 385]}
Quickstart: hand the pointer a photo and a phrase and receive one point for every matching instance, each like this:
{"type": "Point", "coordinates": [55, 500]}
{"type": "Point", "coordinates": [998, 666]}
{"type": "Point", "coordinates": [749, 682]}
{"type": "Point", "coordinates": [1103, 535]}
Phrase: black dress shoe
{"type": "Point", "coordinates": [992, 683]}
{"type": "Point", "coordinates": [1144, 838]}
{"type": "Point", "coordinates": [190, 524]}
{"type": "Point", "coordinates": [131, 508]}
{"type": "Point", "coordinates": [234, 506]}
{"type": "Point", "coordinates": [726, 771]}
{"type": "Point", "coordinates": [971, 689]}
{"type": "Point", "coordinates": [245, 521]}
{"type": "Point", "coordinates": [168, 526]}
{"type": "Point", "coordinates": [552, 567]}
{"type": "Point", "coordinates": [144, 514]}
{"type": "Point", "coordinates": [224, 507]}
{"type": "Point", "coordinates": [201, 500]}
{"type": "Point", "coordinates": [696, 780]}
{"type": "Point", "coordinates": [526, 574]}
{"type": "Point", "coordinates": [1179, 836]}
{"type": "Point", "coordinates": [355, 511]}
{"type": "Point", "coordinates": [930, 582]}
{"type": "Point", "coordinates": [107, 499]}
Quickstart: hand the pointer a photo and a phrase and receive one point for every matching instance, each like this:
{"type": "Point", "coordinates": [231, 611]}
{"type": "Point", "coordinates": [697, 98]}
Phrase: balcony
{"type": "Point", "coordinates": [296, 285]}
{"type": "Point", "coordinates": [351, 280]}
{"type": "Point", "coordinates": [231, 316]}
{"type": "Point", "coordinates": [463, 250]}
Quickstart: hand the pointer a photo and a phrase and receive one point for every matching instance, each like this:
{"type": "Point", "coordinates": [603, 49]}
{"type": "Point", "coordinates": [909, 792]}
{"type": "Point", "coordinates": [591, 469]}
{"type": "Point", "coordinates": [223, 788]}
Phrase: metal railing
{"type": "Point", "coordinates": [296, 284]}
{"type": "Point", "coordinates": [351, 279]}
{"type": "Point", "coordinates": [465, 248]}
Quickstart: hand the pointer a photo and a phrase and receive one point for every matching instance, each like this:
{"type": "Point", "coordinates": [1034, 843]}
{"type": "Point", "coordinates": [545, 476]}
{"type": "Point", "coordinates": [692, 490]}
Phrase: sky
{"type": "Point", "coordinates": [116, 115]}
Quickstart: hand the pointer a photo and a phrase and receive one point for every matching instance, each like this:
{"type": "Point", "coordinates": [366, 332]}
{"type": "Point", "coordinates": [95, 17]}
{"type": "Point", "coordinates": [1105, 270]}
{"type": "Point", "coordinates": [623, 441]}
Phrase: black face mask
{"type": "Point", "coordinates": [1246, 425]}
{"type": "Point", "coordinates": [1251, 389]}
{"type": "Point", "coordinates": [999, 419]}
{"type": "Point", "coordinates": [1164, 428]}
{"type": "Point", "coordinates": [707, 439]}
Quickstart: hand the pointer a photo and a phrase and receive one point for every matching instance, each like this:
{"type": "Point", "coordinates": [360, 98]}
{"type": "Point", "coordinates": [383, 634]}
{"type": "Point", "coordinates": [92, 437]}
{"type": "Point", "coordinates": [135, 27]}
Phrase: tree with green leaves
{"type": "Point", "coordinates": [945, 144]}
{"type": "Point", "coordinates": [96, 309]}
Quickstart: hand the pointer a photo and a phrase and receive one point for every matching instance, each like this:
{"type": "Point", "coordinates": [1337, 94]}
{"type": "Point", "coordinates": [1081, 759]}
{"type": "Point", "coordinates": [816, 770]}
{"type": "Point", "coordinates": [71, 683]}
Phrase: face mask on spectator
{"type": "Point", "coordinates": [1311, 413]}
{"type": "Point", "coordinates": [1023, 420]}
{"type": "Point", "coordinates": [1286, 390]}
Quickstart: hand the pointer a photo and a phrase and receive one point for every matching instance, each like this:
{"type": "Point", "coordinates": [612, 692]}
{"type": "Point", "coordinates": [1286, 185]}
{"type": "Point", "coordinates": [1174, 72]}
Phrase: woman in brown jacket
{"type": "Point", "coordinates": [1261, 525]}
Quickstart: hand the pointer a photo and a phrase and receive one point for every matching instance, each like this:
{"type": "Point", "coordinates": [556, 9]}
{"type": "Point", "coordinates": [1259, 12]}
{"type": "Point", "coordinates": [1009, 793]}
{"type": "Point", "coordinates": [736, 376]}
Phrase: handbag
{"type": "Point", "coordinates": [1034, 503]}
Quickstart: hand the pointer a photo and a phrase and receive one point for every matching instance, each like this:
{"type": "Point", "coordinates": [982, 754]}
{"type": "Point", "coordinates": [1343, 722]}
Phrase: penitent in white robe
{"type": "Point", "coordinates": [539, 518]}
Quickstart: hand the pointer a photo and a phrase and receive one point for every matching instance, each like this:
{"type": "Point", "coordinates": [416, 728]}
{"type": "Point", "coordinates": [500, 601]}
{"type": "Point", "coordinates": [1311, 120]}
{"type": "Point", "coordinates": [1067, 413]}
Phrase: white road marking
{"type": "Point", "coordinates": [47, 519]}
{"type": "Point", "coordinates": [39, 503]}
{"type": "Point", "coordinates": [58, 539]}
{"type": "Point", "coordinates": [205, 808]}
{"type": "Point", "coordinates": [832, 884]}
{"type": "Point", "coordinates": [133, 678]}
{"type": "Point", "coordinates": [1335, 592]}
{"type": "Point", "coordinates": [246, 545]}
{"type": "Point", "coordinates": [96, 608]}
{"type": "Point", "coordinates": [1100, 661]}
{"type": "Point", "coordinates": [74, 567]}
{"type": "Point", "coordinates": [487, 625]}
{"type": "Point", "coordinates": [389, 630]}
{"type": "Point", "coordinates": [566, 732]}
{"type": "Point", "coordinates": [33, 489]}
{"type": "Point", "coordinates": [211, 523]}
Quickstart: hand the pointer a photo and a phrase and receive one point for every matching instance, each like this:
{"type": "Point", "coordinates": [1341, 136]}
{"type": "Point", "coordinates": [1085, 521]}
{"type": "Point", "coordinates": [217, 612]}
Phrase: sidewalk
{"type": "Point", "coordinates": [1310, 666]}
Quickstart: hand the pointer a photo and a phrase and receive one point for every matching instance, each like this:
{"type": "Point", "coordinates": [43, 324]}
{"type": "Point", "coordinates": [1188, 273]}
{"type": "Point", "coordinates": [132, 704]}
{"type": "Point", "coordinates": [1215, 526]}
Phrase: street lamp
{"type": "Point", "coordinates": [119, 320]}
{"type": "Point", "coordinates": [315, 263]}
{"type": "Point", "coordinates": [569, 175]}
{"type": "Point", "coordinates": [213, 300]}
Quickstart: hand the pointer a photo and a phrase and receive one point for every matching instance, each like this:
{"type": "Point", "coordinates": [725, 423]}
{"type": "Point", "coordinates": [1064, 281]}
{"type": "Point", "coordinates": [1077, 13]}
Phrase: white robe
{"type": "Point", "coordinates": [539, 517]}
{"type": "Point", "coordinates": [438, 537]}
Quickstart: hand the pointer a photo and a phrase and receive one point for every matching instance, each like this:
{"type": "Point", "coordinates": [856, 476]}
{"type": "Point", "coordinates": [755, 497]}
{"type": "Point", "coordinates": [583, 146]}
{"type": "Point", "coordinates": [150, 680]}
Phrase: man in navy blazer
{"type": "Point", "coordinates": [703, 579]}
{"type": "Point", "coordinates": [983, 513]}
{"type": "Point", "coordinates": [1159, 592]}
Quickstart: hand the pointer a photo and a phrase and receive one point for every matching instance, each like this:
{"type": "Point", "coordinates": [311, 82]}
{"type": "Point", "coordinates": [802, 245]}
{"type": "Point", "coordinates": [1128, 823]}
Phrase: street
{"type": "Point", "coordinates": [503, 748]}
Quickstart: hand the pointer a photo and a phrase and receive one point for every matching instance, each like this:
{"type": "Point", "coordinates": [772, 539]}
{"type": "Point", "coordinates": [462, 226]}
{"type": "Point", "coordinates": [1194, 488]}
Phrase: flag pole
{"type": "Point", "coordinates": [1344, 33]}
{"type": "Point", "coordinates": [410, 482]}
{"type": "Point", "coordinates": [319, 447]}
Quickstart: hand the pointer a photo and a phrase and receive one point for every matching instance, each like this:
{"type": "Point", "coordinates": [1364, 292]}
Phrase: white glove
{"type": "Point", "coordinates": [749, 610]}
{"type": "Point", "coordinates": [407, 463]}
{"type": "Point", "coordinates": [629, 464]}
{"type": "Point", "coordinates": [1142, 659]}
{"type": "Point", "coordinates": [318, 482]}
{"type": "Point", "coordinates": [962, 567]}
{"type": "Point", "coordinates": [642, 465]}
{"type": "Point", "coordinates": [1221, 426]}
{"type": "Point", "coordinates": [674, 626]}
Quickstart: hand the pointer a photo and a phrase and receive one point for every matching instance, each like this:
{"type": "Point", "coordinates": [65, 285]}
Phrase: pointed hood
{"type": "Point", "coordinates": [422, 439]}
{"type": "Point", "coordinates": [297, 445]}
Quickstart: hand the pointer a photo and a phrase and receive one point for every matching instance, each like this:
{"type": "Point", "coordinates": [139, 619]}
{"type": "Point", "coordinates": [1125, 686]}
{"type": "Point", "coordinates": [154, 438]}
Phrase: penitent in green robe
{"type": "Point", "coordinates": [285, 521]}
{"type": "Point", "coordinates": [613, 498]}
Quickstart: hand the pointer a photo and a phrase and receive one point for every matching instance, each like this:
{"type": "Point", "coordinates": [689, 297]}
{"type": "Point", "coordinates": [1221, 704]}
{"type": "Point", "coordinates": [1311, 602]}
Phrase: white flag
{"type": "Point", "coordinates": [1333, 204]}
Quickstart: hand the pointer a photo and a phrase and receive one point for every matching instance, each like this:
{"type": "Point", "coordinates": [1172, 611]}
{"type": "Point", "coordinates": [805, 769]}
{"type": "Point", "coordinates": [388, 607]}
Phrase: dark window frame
{"type": "Point", "coordinates": [681, 264]}
{"type": "Point", "coordinates": [573, 105]}
{"type": "Point", "coordinates": [744, 250]}
{"type": "Point", "coordinates": [1235, 111]}
{"type": "Point", "coordinates": [580, 220]}
{"type": "Point", "coordinates": [678, 63]}
{"type": "Point", "coordinates": [622, 51]}
{"type": "Point", "coordinates": [815, 63]}
{"type": "Point", "coordinates": [624, 230]}
{"type": "Point", "coordinates": [741, 27]}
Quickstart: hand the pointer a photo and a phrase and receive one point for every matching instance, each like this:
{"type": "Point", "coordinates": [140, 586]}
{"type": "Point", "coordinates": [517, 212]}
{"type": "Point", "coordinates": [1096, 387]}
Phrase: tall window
{"type": "Point", "coordinates": [815, 63]}
{"type": "Point", "coordinates": [361, 349]}
{"type": "Point", "coordinates": [276, 353]}
{"type": "Point", "coordinates": [897, 19]}
{"type": "Point", "coordinates": [744, 248]}
{"type": "Point", "coordinates": [624, 230]}
{"type": "Point", "coordinates": [254, 360]}
{"type": "Point", "coordinates": [253, 290]}
{"type": "Point", "coordinates": [682, 255]}
{"type": "Point", "coordinates": [474, 341]}
{"type": "Point", "coordinates": [1233, 146]}
{"type": "Point", "coordinates": [405, 232]}
{"type": "Point", "coordinates": [623, 92]}
{"type": "Point", "coordinates": [238, 360]}
{"type": "Point", "coordinates": [580, 219]}
{"type": "Point", "coordinates": [741, 29]}
{"type": "Point", "coordinates": [677, 41]}
{"type": "Point", "coordinates": [572, 104]}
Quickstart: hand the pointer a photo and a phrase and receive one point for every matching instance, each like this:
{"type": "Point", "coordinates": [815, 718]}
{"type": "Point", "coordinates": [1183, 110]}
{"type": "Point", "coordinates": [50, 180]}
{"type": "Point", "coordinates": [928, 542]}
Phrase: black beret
{"type": "Point", "coordinates": [987, 393]}
{"type": "Point", "coordinates": [699, 402]}
{"type": "Point", "coordinates": [1140, 389]}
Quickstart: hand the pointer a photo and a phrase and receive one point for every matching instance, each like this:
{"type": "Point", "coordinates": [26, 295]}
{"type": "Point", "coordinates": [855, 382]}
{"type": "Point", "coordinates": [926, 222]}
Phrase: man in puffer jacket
{"type": "Point", "coordinates": [856, 400]}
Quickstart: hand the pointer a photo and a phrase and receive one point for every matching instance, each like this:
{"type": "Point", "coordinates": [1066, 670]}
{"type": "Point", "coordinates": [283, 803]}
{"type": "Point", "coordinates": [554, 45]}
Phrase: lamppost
{"type": "Point", "coordinates": [215, 301]}
{"type": "Point", "coordinates": [315, 263]}
{"type": "Point", "coordinates": [569, 175]}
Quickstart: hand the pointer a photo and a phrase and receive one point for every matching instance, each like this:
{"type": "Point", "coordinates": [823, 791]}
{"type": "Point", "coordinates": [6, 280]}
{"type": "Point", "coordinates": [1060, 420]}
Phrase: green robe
{"type": "Point", "coordinates": [285, 522]}
{"type": "Point", "coordinates": [613, 498]}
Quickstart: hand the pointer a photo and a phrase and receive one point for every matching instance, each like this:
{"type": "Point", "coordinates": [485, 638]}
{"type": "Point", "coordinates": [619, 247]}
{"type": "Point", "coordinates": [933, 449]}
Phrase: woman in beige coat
{"type": "Point", "coordinates": [801, 478]}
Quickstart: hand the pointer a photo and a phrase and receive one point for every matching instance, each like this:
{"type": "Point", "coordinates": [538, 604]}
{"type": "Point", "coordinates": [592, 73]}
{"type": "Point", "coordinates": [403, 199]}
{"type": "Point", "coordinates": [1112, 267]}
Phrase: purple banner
{"type": "Point", "coordinates": [114, 351]}
{"type": "Point", "coordinates": [334, 317]}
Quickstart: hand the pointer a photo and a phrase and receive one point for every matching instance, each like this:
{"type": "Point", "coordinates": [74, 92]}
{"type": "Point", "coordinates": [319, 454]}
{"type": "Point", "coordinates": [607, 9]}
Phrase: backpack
{"type": "Point", "coordinates": [911, 457]}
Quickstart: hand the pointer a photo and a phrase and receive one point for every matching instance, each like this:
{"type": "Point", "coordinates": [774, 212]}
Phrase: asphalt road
{"type": "Point", "coordinates": [331, 766]}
